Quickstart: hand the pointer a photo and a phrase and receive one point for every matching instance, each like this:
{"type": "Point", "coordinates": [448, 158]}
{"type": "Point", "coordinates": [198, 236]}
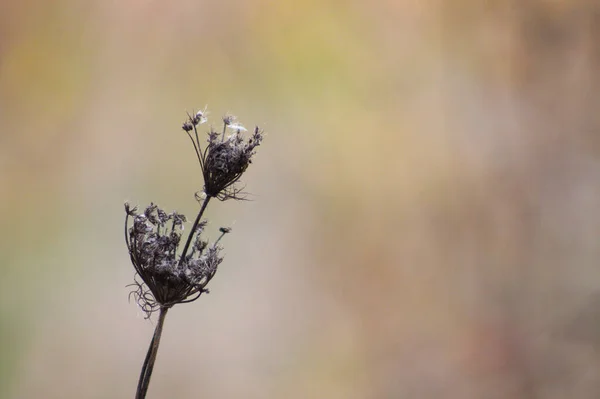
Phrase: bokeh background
{"type": "Point", "coordinates": [425, 219]}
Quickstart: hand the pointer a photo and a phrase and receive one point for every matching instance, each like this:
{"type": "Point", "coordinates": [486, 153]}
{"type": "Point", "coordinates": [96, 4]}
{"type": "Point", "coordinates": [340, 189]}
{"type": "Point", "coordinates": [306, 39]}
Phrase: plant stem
{"type": "Point", "coordinates": [146, 373]}
{"type": "Point", "coordinates": [191, 235]}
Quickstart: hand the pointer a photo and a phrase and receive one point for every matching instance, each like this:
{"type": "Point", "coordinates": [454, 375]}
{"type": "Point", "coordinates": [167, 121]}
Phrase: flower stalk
{"type": "Point", "coordinates": [148, 365]}
{"type": "Point", "coordinates": [165, 274]}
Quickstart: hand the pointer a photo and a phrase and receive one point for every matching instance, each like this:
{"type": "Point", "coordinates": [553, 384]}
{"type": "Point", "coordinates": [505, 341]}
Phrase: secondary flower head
{"type": "Point", "coordinates": [168, 278]}
{"type": "Point", "coordinates": [224, 159]}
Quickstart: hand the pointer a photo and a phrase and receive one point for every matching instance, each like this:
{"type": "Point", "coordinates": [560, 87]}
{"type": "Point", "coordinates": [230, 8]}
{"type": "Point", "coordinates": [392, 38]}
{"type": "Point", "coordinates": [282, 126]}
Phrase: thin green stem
{"type": "Point", "coordinates": [148, 366]}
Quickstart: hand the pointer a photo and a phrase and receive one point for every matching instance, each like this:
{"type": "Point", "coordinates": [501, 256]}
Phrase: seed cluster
{"type": "Point", "coordinates": [170, 275]}
{"type": "Point", "coordinates": [224, 159]}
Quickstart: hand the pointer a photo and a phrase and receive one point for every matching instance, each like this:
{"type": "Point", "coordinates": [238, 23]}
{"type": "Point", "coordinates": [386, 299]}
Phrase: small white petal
{"type": "Point", "coordinates": [237, 126]}
{"type": "Point", "coordinates": [201, 115]}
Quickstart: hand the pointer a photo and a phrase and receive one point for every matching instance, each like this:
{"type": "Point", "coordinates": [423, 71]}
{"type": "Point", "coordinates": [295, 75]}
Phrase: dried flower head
{"type": "Point", "coordinates": [224, 159]}
{"type": "Point", "coordinates": [167, 277]}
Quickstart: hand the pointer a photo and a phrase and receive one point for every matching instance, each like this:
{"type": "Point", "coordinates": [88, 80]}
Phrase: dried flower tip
{"type": "Point", "coordinates": [199, 118]}
{"type": "Point", "coordinates": [201, 226]}
{"type": "Point", "coordinates": [202, 114]}
{"type": "Point", "coordinates": [178, 219]}
{"type": "Point", "coordinates": [229, 119]}
{"type": "Point", "coordinates": [187, 126]}
{"type": "Point", "coordinates": [129, 210]}
{"type": "Point", "coordinates": [225, 230]}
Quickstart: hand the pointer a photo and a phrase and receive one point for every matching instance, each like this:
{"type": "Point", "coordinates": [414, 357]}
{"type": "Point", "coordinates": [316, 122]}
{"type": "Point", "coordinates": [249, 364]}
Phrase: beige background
{"type": "Point", "coordinates": [426, 214]}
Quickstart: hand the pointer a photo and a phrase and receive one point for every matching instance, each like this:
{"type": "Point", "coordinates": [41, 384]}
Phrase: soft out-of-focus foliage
{"type": "Point", "coordinates": [426, 219]}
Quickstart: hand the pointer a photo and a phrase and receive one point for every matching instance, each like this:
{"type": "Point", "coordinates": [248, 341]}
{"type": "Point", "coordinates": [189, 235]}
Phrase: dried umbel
{"type": "Point", "coordinates": [225, 158]}
{"type": "Point", "coordinates": [167, 278]}
{"type": "Point", "coordinates": [168, 269]}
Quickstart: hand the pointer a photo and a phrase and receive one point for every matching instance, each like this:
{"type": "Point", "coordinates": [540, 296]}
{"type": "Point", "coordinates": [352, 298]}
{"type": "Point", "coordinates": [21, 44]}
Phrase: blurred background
{"type": "Point", "coordinates": [425, 219]}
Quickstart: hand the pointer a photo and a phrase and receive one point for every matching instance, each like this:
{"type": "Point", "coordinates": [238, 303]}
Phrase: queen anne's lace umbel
{"type": "Point", "coordinates": [169, 271]}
